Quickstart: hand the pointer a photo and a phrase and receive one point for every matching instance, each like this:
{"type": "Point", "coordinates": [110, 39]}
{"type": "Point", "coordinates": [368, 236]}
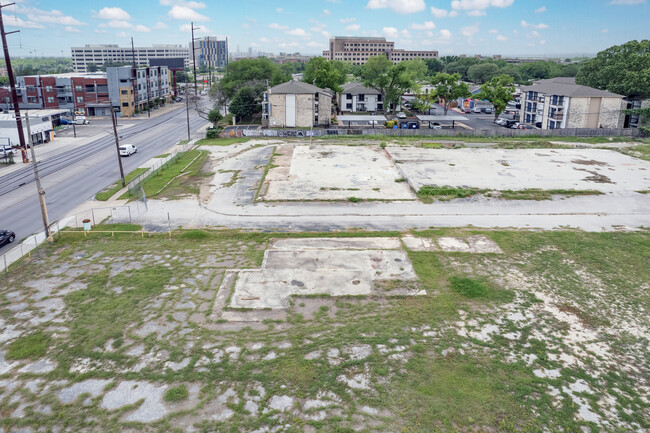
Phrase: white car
{"type": "Point", "coordinates": [435, 125]}
{"type": "Point", "coordinates": [128, 149]}
{"type": "Point", "coordinates": [7, 151]}
{"type": "Point", "coordinates": [476, 110]}
{"type": "Point", "coordinates": [401, 115]}
{"type": "Point", "coordinates": [81, 120]}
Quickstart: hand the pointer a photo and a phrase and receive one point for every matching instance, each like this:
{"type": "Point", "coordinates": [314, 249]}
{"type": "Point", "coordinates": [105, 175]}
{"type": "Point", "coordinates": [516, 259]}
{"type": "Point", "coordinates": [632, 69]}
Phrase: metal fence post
{"type": "Point", "coordinates": [76, 223]}
{"type": "Point", "coordinates": [6, 268]}
{"type": "Point", "coordinates": [92, 211]}
{"type": "Point", "coordinates": [129, 207]}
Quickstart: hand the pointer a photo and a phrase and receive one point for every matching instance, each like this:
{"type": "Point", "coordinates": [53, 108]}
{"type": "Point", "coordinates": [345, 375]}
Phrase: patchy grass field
{"type": "Point", "coordinates": [109, 192]}
{"type": "Point", "coordinates": [134, 334]}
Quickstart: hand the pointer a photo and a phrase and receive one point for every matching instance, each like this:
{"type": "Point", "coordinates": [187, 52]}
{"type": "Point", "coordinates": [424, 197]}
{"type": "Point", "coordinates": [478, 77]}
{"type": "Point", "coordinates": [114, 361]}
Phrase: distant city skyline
{"type": "Point", "coordinates": [530, 28]}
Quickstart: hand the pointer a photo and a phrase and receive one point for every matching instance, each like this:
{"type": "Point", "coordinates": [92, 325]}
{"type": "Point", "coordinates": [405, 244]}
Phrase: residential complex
{"type": "Point", "coordinates": [296, 104]}
{"type": "Point", "coordinates": [81, 93]}
{"type": "Point", "coordinates": [355, 97]}
{"type": "Point", "coordinates": [357, 50]}
{"type": "Point", "coordinates": [132, 89]}
{"type": "Point", "coordinates": [100, 54]}
{"type": "Point", "coordinates": [209, 51]}
{"type": "Point", "coordinates": [561, 103]}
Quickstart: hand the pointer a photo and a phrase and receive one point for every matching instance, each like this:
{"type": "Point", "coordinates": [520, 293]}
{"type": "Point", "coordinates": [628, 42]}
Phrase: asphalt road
{"type": "Point", "coordinates": [73, 177]}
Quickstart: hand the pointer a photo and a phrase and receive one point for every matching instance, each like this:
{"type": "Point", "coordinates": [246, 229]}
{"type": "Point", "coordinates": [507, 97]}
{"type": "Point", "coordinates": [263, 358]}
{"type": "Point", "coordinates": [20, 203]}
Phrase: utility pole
{"type": "Point", "coordinates": [134, 75]}
{"type": "Point", "coordinates": [117, 146]}
{"type": "Point", "coordinates": [146, 76]}
{"type": "Point", "coordinates": [39, 188]}
{"type": "Point", "coordinates": [194, 55]}
{"type": "Point", "coordinates": [12, 83]}
{"type": "Point", "coordinates": [187, 107]}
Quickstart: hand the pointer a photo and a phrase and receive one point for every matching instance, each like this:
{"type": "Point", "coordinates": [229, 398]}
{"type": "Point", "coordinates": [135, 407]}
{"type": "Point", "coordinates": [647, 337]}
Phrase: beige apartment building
{"type": "Point", "coordinates": [559, 103]}
{"type": "Point", "coordinates": [296, 105]}
{"type": "Point", "coordinates": [357, 50]}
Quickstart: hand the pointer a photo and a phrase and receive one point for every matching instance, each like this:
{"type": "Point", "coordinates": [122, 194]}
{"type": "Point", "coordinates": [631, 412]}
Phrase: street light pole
{"type": "Point", "coordinates": [187, 108]}
{"type": "Point", "coordinates": [117, 146]}
{"type": "Point", "coordinates": [39, 188]}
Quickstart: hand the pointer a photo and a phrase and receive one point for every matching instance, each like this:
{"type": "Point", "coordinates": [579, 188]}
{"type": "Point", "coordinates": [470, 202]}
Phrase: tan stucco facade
{"type": "Point", "coordinates": [306, 107]}
{"type": "Point", "coordinates": [595, 113]}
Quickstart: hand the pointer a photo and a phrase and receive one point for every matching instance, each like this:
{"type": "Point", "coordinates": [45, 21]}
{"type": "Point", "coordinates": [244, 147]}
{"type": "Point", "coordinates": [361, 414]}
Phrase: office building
{"type": "Point", "coordinates": [211, 52]}
{"type": "Point", "coordinates": [357, 50]}
{"type": "Point", "coordinates": [132, 90]}
{"type": "Point", "coordinates": [100, 54]}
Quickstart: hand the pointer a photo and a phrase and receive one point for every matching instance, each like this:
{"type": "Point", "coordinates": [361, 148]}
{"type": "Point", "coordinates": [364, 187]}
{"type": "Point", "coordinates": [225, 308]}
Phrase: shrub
{"type": "Point", "coordinates": [212, 133]}
{"type": "Point", "coordinates": [390, 123]}
{"type": "Point", "coordinates": [354, 199]}
{"type": "Point", "coordinates": [176, 393]}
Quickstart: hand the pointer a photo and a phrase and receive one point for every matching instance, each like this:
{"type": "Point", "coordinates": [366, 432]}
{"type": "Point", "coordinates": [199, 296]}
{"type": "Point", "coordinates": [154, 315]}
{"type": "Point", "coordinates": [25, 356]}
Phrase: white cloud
{"type": "Point", "coordinates": [516, 32]}
{"type": "Point", "coordinates": [160, 26]}
{"type": "Point", "coordinates": [53, 16]}
{"type": "Point", "coordinates": [390, 32]}
{"type": "Point", "coordinates": [453, 14]}
{"type": "Point", "coordinates": [279, 10]}
{"type": "Point", "coordinates": [476, 13]}
{"type": "Point", "coordinates": [71, 29]}
{"type": "Point", "coordinates": [352, 28]}
{"type": "Point", "coordinates": [245, 26]}
{"type": "Point", "coordinates": [427, 25]}
{"type": "Point", "coordinates": [542, 42]}
{"type": "Point", "coordinates": [473, 6]}
{"type": "Point", "coordinates": [185, 13]}
{"type": "Point", "coordinates": [627, 2]}
{"type": "Point", "coordinates": [264, 40]}
{"type": "Point", "coordinates": [187, 28]}
{"type": "Point", "coordinates": [14, 21]}
{"type": "Point", "coordinates": [502, 38]}
{"type": "Point", "coordinates": [296, 32]}
{"type": "Point", "coordinates": [347, 20]}
{"type": "Point", "coordinates": [445, 34]}
{"type": "Point", "coordinates": [398, 6]}
{"type": "Point", "coordinates": [533, 35]}
{"type": "Point", "coordinates": [326, 12]}
{"type": "Point", "coordinates": [113, 14]}
{"type": "Point", "coordinates": [117, 24]}
{"type": "Point", "coordinates": [469, 31]}
{"type": "Point", "coordinates": [121, 34]}
{"type": "Point", "coordinates": [604, 31]}
{"type": "Point", "coordinates": [439, 13]}
{"type": "Point", "coordinates": [189, 4]}
{"type": "Point", "coordinates": [276, 26]}
{"type": "Point", "coordinates": [100, 31]}
{"type": "Point", "coordinates": [141, 28]}
{"type": "Point", "coordinates": [314, 44]}
{"type": "Point", "coordinates": [540, 10]}
{"type": "Point", "coordinates": [493, 31]}
{"type": "Point", "coordinates": [406, 34]}
{"type": "Point", "coordinates": [540, 26]}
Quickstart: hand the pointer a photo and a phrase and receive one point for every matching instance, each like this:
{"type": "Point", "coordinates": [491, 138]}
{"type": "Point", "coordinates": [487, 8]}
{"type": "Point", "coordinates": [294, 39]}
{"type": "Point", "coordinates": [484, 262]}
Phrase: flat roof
{"type": "Point", "coordinates": [96, 75]}
{"type": "Point", "coordinates": [440, 117]}
{"type": "Point", "coordinates": [361, 118]}
{"type": "Point", "coordinates": [35, 113]}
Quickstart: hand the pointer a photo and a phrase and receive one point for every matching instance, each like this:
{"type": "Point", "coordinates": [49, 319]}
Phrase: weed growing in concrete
{"type": "Point", "coordinates": [30, 346]}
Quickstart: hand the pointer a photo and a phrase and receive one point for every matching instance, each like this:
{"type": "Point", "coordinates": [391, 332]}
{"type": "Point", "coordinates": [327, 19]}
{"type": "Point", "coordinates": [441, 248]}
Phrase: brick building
{"type": "Point", "coordinates": [559, 103]}
{"type": "Point", "coordinates": [131, 89]}
{"type": "Point", "coordinates": [296, 104]}
{"type": "Point", "coordinates": [80, 93]}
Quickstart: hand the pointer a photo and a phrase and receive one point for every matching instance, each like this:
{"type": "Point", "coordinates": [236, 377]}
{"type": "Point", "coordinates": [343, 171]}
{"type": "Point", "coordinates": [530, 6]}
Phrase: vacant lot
{"type": "Point", "coordinates": [455, 330]}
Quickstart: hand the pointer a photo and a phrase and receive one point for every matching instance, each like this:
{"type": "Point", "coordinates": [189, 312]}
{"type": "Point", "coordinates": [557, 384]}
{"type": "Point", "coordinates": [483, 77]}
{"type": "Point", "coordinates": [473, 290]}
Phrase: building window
{"type": "Point", "coordinates": [124, 92]}
{"type": "Point", "coordinates": [48, 88]}
{"type": "Point", "coordinates": [362, 97]}
{"type": "Point", "coordinates": [80, 99]}
{"type": "Point", "coordinates": [78, 88]}
{"type": "Point", "coordinates": [125, 104]}
{"type": "Point", "coordinates": [349, 106]}
{"type": "Point", "coordinates": [50, 99]}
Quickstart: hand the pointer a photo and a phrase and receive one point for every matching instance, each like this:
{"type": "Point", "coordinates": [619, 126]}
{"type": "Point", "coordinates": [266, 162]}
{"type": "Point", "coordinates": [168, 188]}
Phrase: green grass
{"type": "Point", "coordinates": [164, 155]}
{"type": "Point", "coordinates": [354, 199]}
{"type": "Point", "coordinates": [194, 234]}
{"type": "Point", "coordinates": [221, 141]}
{"type": "Point", "coordinates": [432, 145]}
{"type": "Point", "coordinates": [30, 346]}
{"type": "Point", "coordinates": [117, 227]}
{"type": "Point", "coordinates": [113, 189]}
{"type": "Point", "coordinates": [176, 393]}
{"type": "Point", "coordinates": [160, 183]}
{"type": "Point", "coordinates": [428, 193]}
{"type": "Point", "coordinates": [544, 194]}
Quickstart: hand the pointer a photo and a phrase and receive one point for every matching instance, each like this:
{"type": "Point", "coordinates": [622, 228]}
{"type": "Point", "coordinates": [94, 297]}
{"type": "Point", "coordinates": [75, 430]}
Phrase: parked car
{"type": "Point", "coordinates": [435, 125]}
{"type": "Point", "coordinates": [401, 115]}
{"type": "Point", "coordinates": [467, 110]}
{"type": "Point", "coordinates": [6, 237]}
{"type": "Point", "coordinates": [6, 151]}
{"type": "Point", "coordinates": [128, 149]}
{"type": "Point", "coordinates": [81, 120]}
{"type": "Point", "coordinates": [476, 110]}
{"type": "Point", "coordinates": [64, 121]}
{"type": "Point", "coordinates": [488, 110]}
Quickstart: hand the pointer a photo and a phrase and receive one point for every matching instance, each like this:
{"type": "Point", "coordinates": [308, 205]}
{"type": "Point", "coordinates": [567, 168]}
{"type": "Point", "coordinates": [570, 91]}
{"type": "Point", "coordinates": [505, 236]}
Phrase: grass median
{"type": "Point", "coordinates": [109, 192]}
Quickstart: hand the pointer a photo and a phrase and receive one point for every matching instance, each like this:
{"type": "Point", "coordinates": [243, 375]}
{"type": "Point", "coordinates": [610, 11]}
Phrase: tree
{"type": "Point", "coordinates": [391, 81]}
{"type": "Point", "coordinates": [214, 116]}
{"type": "Point", "coordinates": [434, 66]}
{"type": "Point", "coordinates": [449, 87]}
{"type": "Point", "coordinates": [92, 67]}
{"type": "Point", "coordinates": [244, 103]}
{"type": "Point", "coordinates": [622, 69]}
{"type": "Point", "coordinates": [482, 73]}
{"type": "Point", "coordinates": [324, 74]}
{"type": "Point", "coordinates": [251, 72]}
{"type": "Point", "coordinates": [499, 92]}
{"type": "Point", "coordinates": [536, 70]}
{"type": "Point", "coordinates": [182, 77]}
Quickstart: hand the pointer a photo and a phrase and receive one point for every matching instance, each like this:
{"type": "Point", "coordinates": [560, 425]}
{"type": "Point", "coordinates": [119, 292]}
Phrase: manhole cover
{"type": "Point", "coordinates": [356, 282]}
{"type": "Point", "coordinates": [297, 283]}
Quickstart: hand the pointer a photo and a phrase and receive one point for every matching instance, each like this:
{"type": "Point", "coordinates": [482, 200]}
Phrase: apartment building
{"type": "Point", "coordinates": [85, 94]}
{"type": "Point", "coordinates": [209, 51]}
{"type": "Point", "coordinates": [296, 104]}
{"type": "Point", "coordinates": [357, 50]}
{"type": "Point", "coordinates": [100, 54]}
{"type": "Point", "coordinates": [131, 90]}
{"type": "Point", "coordinates": [356, 97]}
{"type": "Point", "coordinates": [559, 103]}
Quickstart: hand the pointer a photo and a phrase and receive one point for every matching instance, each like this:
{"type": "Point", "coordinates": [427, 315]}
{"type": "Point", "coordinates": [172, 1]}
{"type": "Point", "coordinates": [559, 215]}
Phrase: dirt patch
{"type": "Point", "coordinates": [589, 162]}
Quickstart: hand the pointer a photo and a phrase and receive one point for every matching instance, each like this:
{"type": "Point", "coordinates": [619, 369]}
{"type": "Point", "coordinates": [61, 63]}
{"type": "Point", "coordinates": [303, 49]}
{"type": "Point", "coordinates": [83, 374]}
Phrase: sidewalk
{"type": "Point", "coordinates": [154, 113]}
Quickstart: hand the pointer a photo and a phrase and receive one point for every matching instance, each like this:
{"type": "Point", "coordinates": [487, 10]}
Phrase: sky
{"type": "Point", "coordinates": [531, 28]}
